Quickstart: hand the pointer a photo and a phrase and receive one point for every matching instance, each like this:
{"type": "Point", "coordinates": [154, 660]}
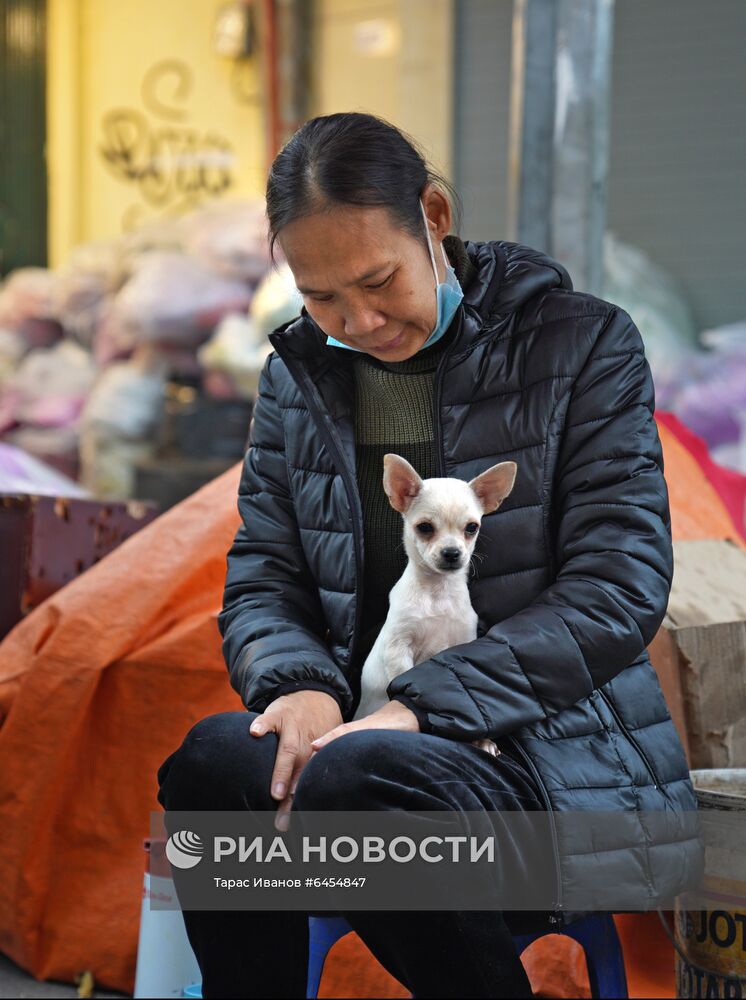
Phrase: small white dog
{"type": "Point", "coordinates": [429, 605]}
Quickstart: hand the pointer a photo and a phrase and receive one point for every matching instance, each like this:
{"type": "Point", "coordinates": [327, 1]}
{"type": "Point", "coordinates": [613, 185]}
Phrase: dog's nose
{"type": "Point", "coordinates": [450, 555]}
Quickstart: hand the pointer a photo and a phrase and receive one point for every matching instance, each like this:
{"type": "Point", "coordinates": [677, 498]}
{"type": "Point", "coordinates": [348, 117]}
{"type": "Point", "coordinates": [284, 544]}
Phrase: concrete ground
{"type": "Point", "coordinates": [14, 982]}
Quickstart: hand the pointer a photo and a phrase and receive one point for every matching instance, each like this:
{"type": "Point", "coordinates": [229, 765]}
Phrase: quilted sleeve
{"type": "Point", "coordinates": [272, 623]}
{"type": "Point", "coordinates": [613, 562]}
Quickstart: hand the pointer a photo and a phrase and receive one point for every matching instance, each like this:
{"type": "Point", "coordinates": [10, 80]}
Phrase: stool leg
{"type": "Point", "coordinates": [598, 937]}
{"type": "Point", "coordinates": [323, 932]}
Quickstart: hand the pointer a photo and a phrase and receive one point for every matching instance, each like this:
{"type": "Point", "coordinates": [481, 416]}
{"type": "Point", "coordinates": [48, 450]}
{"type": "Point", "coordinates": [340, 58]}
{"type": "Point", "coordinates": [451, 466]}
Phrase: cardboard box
{"type": "Point", "coordinates": [700, 652]}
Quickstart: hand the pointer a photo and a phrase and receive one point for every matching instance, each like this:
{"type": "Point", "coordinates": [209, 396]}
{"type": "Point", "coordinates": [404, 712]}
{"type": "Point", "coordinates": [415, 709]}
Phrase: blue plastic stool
{"type": "Point", "coordinates": [596, 935]}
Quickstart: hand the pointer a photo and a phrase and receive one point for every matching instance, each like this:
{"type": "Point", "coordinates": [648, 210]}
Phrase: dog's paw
{"type": "Point", "coordinates": [488, 746]}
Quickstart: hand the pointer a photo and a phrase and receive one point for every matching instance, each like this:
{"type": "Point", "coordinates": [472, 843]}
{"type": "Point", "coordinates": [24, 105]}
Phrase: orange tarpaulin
{"type": "Point", "coordinates": [97, 687]}
{"type": "Point", "coordinates": [100, 684]}
{"type": "Point", "coordinates": [697, 511]}
{"type": "Point", "coordinates": [729, 484]}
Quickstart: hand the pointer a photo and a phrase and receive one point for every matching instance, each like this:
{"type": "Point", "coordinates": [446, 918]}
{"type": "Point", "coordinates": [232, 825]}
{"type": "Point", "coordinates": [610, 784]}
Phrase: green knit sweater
{"type": "Point", "coordinates": [394, 413]}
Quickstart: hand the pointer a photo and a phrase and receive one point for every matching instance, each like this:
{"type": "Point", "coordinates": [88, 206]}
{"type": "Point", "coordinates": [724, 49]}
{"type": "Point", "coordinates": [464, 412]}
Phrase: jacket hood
{"type": "Point", "coordinates": [507, 276]}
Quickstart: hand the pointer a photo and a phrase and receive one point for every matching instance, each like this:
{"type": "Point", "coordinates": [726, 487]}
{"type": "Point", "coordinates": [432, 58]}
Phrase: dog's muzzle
{"type": "Point", "coordinates": [450, 559]}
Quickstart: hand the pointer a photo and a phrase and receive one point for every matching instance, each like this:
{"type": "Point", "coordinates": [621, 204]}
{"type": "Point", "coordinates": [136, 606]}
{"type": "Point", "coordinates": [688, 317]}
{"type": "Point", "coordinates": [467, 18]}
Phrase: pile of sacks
{"type": "Point", "coordinates": [85, 351]}
{"type": "Point", "coordinates": [707, 391]}
{"type": "Point", "coordinates": [699, 376]}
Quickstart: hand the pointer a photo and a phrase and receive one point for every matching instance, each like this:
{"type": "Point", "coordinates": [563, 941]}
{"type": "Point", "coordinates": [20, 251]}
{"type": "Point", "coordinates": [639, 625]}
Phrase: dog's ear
{"type": "Point", "coordinates": [493, 485]}
{"type": "Point", "coordinates": [400, 481]}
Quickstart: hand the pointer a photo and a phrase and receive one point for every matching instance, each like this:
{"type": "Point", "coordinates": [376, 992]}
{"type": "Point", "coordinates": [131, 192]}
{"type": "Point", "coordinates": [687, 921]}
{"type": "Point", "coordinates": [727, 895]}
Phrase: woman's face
{"type": "Point", "coordinates": [365, 280]}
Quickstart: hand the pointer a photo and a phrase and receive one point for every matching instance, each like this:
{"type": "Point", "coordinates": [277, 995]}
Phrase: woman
{"type": "Point", "coordinates": [499, 360]}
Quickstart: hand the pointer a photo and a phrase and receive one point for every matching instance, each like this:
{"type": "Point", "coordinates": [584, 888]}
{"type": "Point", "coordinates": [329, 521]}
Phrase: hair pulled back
{"type": "Point", "coordinates": [349, 158]}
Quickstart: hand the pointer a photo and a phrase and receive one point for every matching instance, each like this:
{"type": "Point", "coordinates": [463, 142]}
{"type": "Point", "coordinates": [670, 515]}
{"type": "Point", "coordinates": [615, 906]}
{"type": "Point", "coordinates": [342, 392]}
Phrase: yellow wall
{"type": "Point", "coordinates": [101, 53]}
{"type": "Point", "coordinates": [392, 58]}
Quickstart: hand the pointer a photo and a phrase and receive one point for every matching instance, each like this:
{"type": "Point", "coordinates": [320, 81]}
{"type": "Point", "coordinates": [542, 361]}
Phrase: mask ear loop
{"type": "Point", "coordinates": [430, 244]}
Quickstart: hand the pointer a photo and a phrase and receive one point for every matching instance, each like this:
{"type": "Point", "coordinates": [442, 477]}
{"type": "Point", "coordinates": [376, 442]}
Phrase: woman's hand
{"type": "Point", "coordinates": [296, 718]}
{"type": "Point", "coordinates": [393, 715]}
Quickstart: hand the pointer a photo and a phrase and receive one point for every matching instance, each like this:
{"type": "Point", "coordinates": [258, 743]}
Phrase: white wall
{"type": "Point", "coordinates": [388, 57]}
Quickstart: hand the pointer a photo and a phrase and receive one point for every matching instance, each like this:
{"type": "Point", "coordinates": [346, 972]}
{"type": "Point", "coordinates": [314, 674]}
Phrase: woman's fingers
{"type": "Point", "coordinates": [347, 727]}
{"type": "Point", "coordinates": [282, 819]}
{"type": "Point", "coordinates": [287, 751]}
{"type": "Point", "coordinates": [294, 718]}
{"type": "Point", "coordinates": [392, 715]}
{"type": "Point", "coordinates": [260, 726]}
{"type": "Point", "coordinates": [289, 744]}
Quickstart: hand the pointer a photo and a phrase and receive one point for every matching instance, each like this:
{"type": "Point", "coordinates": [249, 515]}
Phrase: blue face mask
{"type": "Point", "coordinates": [448, 293]}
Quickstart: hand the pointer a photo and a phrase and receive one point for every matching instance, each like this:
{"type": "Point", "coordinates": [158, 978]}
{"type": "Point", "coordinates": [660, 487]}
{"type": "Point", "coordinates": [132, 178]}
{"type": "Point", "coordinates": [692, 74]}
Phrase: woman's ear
{"type": "Point", "coordinates": [438, 211]}
{"type": "Point", "coordinates": [400, 481]}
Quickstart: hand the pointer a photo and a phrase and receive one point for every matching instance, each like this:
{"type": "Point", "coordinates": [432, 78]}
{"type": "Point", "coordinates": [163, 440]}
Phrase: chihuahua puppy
{"type": "Point", "coordinates": [429, 605]}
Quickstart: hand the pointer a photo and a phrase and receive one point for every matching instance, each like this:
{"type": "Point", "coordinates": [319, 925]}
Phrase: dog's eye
{"type": "Point", "coordinates": [425, 528]}
{"type": "Point", "coordinates": [471, 528]}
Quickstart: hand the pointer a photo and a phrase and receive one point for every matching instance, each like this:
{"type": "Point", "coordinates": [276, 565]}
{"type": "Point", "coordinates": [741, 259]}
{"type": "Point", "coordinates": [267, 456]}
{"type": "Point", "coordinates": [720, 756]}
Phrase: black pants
{"type": "Point", "coordinates": [220, 766]}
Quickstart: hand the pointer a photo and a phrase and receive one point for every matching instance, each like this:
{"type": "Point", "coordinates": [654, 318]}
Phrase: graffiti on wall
{"type": "Point", "coordinates": [170, 164]}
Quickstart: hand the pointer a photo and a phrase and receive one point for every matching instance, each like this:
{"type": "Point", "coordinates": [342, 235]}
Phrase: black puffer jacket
{"type": "Point", "coordinates": [576, 565]}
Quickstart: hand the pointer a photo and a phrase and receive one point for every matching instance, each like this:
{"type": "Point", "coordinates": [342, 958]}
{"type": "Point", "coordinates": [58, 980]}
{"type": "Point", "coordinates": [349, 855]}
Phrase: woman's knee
{"type": "Point", "coordinates": [219, 765]}
{"type": "Point", "coordinates": [352, 772]}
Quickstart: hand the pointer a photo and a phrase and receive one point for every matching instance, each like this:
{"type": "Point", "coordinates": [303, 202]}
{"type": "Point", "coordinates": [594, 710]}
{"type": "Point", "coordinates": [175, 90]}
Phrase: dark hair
{"type": "Point", "coordinates": [354, 159]}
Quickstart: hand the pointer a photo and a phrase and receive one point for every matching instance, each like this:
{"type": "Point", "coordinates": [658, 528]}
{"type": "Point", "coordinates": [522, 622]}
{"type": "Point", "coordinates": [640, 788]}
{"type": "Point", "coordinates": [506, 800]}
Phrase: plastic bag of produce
{"type": "Point", "coordinates": [83, 288]}
{"type": "Point", "coordinates": [709, 394]}
{"type": "Point", "coordinates": [276, 301]}
{"type": "Point", "coordinates": [726, 340]}
{"type": "Point", "coordinates": [655, 302]}
{"type": "Point", "coordinates": [120, 421]}
{"type": "Point", "coordinates": [27, 293]}
{"type": "Point", "coordinates": [12, 349]}
{"type": "Point", "coordinates": [175, 299]}
{"type": "Point", "coordinates": [28, 305]}
{"type": "Point", "coordinates": [230, 238]}
{"type": "Point", "coordinates": [236, 351]}
{"type": "Point", "coordinates": [163, 234]}
{"type": "Point", "coordinates": [49, 387]}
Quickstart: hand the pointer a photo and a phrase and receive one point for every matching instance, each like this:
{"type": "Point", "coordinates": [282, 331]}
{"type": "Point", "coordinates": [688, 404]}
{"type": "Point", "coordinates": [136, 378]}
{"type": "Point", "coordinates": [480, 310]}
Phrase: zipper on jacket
{"type": "Point", "coordinates": [437, 387]}
{"type": "Point", "coordinates": [556, 917]}
{"type": "Point", "coordinates": [333, 443]}
{"type": "Point", "coordinates": [625, 732]}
